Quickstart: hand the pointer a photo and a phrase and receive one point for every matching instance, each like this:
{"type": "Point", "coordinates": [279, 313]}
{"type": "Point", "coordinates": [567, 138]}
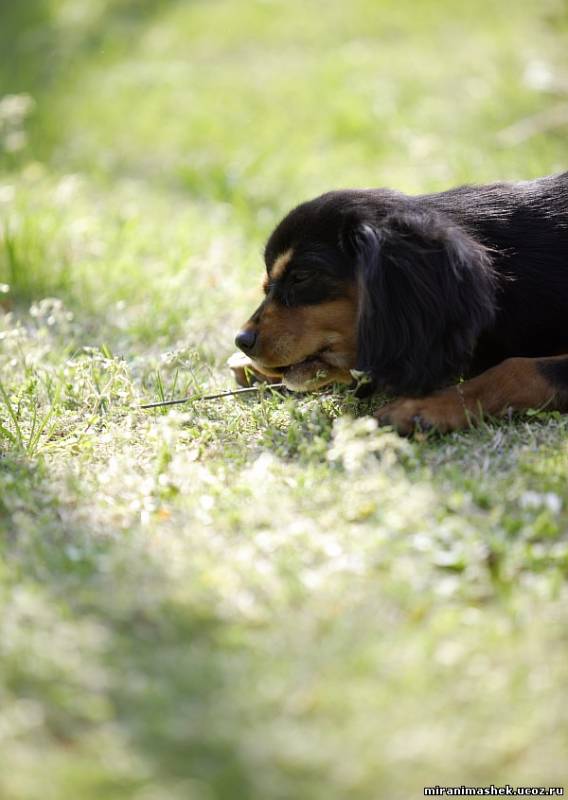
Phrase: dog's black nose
{"type": "Point", "coordinates": [245, 340]}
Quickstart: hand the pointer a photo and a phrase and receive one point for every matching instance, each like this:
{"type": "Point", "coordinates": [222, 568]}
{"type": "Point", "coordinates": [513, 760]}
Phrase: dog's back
{"type": "Point", "coordinates": [529, 216]}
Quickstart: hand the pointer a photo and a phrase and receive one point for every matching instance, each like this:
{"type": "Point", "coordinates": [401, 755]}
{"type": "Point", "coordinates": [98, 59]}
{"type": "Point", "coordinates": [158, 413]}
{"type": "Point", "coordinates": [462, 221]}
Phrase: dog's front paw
{"type": "Point", "coordinates": [442, 412]}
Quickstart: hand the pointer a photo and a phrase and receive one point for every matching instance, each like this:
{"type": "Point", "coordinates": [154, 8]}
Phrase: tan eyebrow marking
{"type": "Point", "coordinates": [280, 264]}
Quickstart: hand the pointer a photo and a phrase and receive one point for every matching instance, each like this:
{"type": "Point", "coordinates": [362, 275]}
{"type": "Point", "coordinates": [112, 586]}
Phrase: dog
{"type": "Point", "coordinates": [457, 302]}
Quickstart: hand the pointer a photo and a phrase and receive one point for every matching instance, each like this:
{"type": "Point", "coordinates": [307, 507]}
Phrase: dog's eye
{"type": "Point", "coordinates": [300, 279]}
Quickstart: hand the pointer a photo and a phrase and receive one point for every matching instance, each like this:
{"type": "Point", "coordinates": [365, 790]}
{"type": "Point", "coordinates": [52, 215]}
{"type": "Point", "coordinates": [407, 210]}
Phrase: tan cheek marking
{"type": "Point", "coordinates": [278, 330]}
{"type": "Point", "coordinates": [280, 264]}
{"type": "Point", "coordinates": [333, 323]}
{"type": "Point", "coordinates": [278, 321]}
{"type": "Point", "coordinates": [291, 334]}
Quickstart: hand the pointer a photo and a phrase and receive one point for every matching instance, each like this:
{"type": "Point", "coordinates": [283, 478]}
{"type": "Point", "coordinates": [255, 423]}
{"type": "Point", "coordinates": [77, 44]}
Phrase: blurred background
{"type": "Point", "coordinates": [244, 600]}
{"type": "Point", "coordinates": [209, 118]}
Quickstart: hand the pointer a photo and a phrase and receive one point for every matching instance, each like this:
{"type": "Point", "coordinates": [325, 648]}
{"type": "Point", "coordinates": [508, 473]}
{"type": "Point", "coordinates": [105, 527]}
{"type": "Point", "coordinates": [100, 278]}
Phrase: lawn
{"type": "Point", "coordinates": [261, 598]}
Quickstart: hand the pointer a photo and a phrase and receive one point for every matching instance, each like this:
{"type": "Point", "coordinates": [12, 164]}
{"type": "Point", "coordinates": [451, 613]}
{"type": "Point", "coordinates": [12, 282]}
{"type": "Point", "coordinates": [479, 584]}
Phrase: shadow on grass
{"type": "Point", "coordinates": [42, 41]}
{"type": "Point", "coordinates": [109, 654]}
{"type": "Point", "coordinates": [39, 40]}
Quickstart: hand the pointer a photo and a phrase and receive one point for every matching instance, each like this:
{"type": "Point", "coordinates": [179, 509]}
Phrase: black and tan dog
{"type": "Point", "coordinates": [419, 292]}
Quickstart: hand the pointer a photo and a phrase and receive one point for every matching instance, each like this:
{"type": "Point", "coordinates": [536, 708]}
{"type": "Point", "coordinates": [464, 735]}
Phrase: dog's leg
{"type": "Point", "coordinates": [517, 384]}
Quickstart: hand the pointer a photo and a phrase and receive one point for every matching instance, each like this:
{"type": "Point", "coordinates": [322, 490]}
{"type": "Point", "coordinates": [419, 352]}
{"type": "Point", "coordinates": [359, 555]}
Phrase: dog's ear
{"type": "Point", "coordinates": [427, 291]}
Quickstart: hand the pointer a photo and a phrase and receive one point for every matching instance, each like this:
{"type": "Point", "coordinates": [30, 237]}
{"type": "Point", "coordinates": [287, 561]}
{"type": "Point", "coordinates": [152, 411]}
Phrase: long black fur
{"type": "Point", "coordinates": [427, 291]}
{"type": "Point", "coordinates": [449, 283]}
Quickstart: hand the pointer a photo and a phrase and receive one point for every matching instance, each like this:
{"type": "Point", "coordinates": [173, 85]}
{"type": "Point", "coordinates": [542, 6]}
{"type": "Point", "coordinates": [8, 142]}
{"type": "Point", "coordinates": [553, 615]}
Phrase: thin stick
{"type": "Point", "coordinates": [228, 393]}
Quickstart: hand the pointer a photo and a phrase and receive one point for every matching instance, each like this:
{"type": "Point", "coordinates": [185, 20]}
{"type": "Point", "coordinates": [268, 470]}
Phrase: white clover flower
{"type": "Point", "coordinates": [547, 500]}
{"type": "Point", "coordinates": [358, 442]}
{"type": "Point", "coordinates": [14, 108]}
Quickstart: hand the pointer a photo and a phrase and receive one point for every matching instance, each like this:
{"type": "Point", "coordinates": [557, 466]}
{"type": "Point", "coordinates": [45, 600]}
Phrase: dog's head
{"type": "Point", "coordinates": [374, 281]}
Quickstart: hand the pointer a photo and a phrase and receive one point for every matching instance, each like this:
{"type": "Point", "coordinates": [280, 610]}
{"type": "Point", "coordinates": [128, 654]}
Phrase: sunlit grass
{"type": "Point", "coordinates": [257, 597]}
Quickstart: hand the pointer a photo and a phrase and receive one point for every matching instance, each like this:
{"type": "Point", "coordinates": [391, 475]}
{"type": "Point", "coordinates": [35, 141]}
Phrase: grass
{"type": "Point", "coordinates": [263, 597]}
